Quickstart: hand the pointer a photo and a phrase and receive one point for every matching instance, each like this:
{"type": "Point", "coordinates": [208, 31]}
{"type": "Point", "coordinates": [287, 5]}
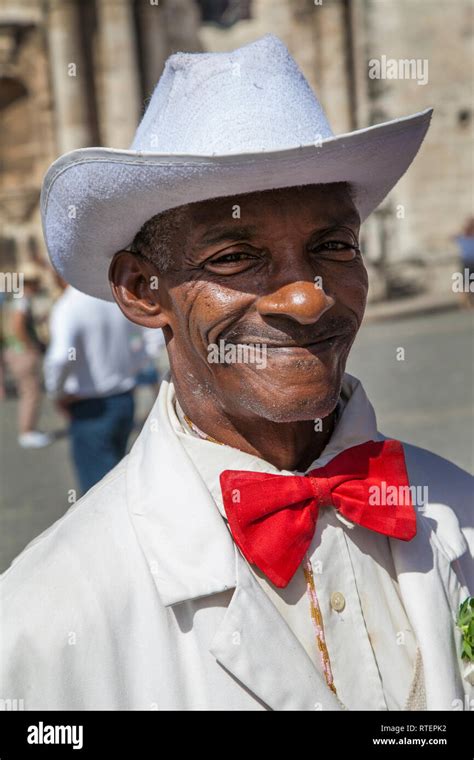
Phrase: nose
{"type": "Point", "coordinates": [301, 301]}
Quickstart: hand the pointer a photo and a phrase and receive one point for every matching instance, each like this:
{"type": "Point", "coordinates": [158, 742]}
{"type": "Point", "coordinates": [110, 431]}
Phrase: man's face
{"type": "Point", "coordinates": [277, 270]}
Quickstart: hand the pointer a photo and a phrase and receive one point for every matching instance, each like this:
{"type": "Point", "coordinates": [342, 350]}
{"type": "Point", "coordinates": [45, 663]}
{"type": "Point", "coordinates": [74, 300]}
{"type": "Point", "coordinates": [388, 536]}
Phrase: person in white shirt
{"type": "Point", "coordinates": [245, 554]}
{"type": "Point", "coordinates": [90, 369]}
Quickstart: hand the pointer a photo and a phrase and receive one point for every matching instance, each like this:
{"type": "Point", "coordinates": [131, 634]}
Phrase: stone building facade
{"type": "Point", "coordinates": [75, 73]}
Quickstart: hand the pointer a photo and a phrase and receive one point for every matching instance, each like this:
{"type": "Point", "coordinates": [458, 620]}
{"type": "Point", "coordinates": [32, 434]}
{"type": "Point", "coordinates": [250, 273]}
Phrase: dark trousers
{"type": "Point", "coordinates": [99, 431]}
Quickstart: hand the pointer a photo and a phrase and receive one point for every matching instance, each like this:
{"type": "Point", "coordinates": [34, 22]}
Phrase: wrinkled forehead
{"type": "Point", "coordinates": [331, 202]}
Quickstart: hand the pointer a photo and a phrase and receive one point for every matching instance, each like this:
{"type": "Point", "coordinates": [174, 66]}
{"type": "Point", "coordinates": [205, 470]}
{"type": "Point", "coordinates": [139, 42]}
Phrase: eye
{"type": "Point", "coordinates": [337, 250]}
{"type": "Point", "coordinates": [231, 263]}
{"type": "Point", "coordinates": [230, 258]}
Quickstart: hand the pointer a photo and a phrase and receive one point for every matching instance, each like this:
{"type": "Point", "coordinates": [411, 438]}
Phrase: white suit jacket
{"type": "Point", "coordinates": [138, 597]}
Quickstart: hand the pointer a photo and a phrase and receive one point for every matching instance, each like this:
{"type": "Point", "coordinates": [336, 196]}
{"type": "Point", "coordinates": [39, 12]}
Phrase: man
{"type": "Point", "coordinates": [244, 556]}
{"type": "Point", "coordinates": [90, 368]}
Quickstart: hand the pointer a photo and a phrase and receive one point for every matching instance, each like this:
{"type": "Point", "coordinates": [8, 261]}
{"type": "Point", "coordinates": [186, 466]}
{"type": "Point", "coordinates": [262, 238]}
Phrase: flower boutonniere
{"type": "Point", "coordinates": [465, 623]}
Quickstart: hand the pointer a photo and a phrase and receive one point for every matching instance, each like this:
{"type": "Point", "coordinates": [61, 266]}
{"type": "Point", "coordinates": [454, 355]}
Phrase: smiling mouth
{"type": "Point", "coordinates": [318, 343]}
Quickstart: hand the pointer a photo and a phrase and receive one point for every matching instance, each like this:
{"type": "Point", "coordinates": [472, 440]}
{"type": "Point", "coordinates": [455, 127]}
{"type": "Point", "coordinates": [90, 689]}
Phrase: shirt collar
{"type": "Point", "coordinates": [212, 458]}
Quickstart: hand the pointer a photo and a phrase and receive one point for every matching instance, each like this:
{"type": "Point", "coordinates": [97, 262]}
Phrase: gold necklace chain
{"type": "Point", "coordinates": [199, 432]}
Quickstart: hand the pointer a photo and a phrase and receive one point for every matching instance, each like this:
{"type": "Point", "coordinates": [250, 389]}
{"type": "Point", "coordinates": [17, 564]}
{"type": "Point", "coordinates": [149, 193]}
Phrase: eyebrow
{"type": "Point", "coordinates": [220, 234]}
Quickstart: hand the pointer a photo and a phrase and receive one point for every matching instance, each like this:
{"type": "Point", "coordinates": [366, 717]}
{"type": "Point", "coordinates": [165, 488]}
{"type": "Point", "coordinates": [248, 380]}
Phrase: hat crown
{"type": "Point", "coordinates": [249, 100]}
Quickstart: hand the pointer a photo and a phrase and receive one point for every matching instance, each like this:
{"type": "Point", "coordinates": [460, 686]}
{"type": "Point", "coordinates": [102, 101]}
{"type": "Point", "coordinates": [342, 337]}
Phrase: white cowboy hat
{"type": "Point", "coordinates": [218, 124]}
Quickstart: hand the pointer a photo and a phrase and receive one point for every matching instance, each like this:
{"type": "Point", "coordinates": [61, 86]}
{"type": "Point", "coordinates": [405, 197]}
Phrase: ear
{"type": "Point", "coordinates": [134, 283]}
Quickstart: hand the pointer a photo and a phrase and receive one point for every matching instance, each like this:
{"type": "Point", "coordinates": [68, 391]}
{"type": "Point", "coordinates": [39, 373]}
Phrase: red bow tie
{"type": "Point", "coordinates": [273, 517]}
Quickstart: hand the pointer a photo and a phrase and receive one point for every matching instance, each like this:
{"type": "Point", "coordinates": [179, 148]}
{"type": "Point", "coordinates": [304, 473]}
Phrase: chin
{"type": "Point", "coordinates": [285, 408]}
{"type": "Point", "coordinates": [306, 393]}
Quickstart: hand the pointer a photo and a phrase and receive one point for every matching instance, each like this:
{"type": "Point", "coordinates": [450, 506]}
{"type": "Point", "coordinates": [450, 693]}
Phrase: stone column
{"type": "Point", "coordinates": [153, 43]}
{"type": "Point", "coordinates": [331, 56]}
{"type": "Point", "coordinates": [360, 57]}
{"type": "Point", "coordinates": [182, 26]}
{"type": "Point", "coordinates": [68, 75]}
{"type": "Point", "coordinates": [119, 84]}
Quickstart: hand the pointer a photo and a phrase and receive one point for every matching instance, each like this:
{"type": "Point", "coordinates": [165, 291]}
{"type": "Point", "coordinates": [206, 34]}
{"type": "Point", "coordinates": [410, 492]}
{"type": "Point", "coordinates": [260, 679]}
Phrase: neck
{"type": "Point", "coordinates": [287, 446]}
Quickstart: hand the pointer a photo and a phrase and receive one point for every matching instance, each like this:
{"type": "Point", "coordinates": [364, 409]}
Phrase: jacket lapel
{"type": "Point", "coordinates": [431, 593]}
{"type": "Point", "coordinates": [187, 545]}
{"type": "Point", "coordinates": [255, 644]}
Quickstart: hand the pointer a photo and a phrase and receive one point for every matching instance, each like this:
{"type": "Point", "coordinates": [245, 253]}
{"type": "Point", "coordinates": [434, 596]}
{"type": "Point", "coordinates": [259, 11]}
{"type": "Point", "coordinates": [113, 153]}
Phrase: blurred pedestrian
{"type": "Point", "coordinates": [466, 248]}
{"type": "Point", "coordinates": [90, 370]}
{"type": "Point", "coordinates": [157, 365]}
{"type": "Point", "coordinates": [23, 355]}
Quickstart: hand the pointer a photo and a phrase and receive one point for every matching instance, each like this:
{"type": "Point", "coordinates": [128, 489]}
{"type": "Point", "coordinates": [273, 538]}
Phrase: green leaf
{"type": "Point", "coordinates": [465, 623]}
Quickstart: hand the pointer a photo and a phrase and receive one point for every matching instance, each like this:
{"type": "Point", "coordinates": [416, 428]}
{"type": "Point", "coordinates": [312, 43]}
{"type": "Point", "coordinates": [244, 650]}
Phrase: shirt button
{"type": "Point", "coordinates": [337, 601]}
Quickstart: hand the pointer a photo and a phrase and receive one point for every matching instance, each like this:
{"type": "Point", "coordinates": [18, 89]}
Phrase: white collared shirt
{"type": "Point", "coordinates": [371, 644]}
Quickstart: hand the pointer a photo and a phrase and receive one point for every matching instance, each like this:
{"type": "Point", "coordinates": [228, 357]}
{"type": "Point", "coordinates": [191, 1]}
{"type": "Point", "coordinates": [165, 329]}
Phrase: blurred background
{"type": "Point", "coordinates": [76, 73]}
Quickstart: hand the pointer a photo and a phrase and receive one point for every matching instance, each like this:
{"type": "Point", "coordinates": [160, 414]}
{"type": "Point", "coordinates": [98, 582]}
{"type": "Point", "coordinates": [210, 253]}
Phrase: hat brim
{"type": "Point", "coordinates": [94, 200]}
